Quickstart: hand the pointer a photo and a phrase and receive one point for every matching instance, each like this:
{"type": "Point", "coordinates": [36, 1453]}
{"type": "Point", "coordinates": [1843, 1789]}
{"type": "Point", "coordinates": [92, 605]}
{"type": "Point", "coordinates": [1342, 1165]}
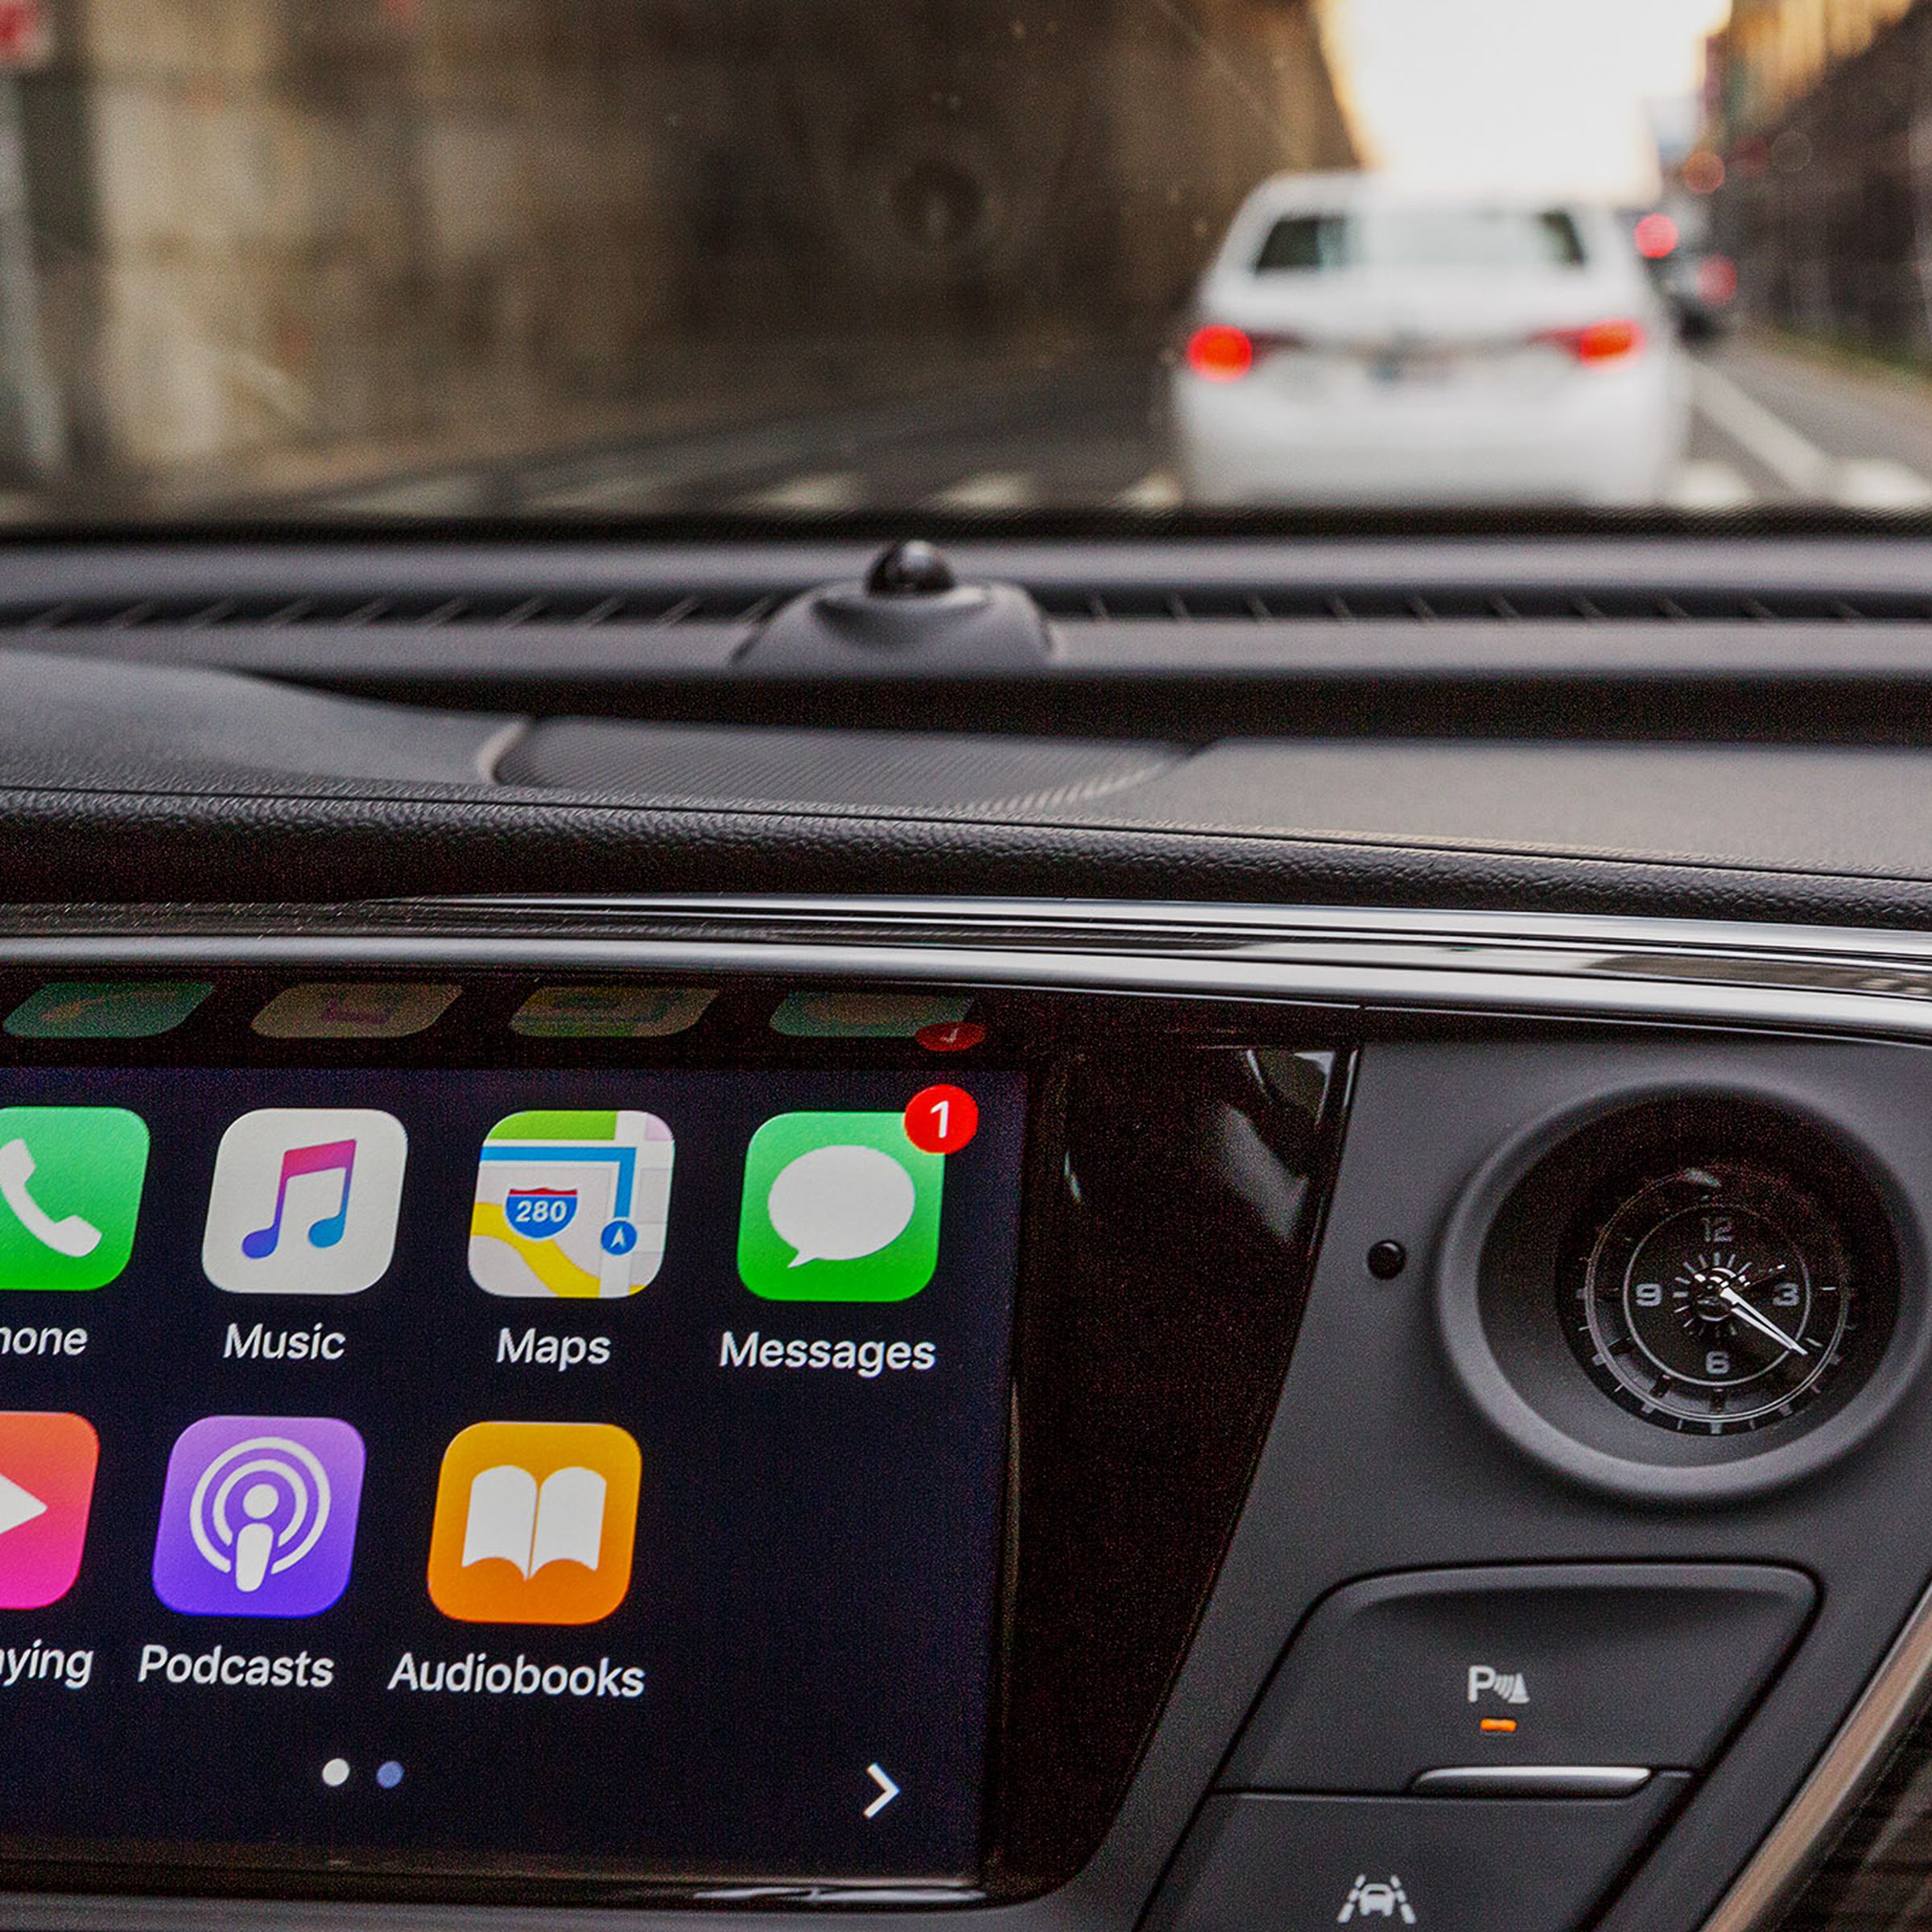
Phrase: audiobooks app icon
{"type": "Point", "coordinates": [535, 1523]}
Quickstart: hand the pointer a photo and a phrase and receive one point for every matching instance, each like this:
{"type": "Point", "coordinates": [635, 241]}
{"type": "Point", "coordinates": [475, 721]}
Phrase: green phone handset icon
{"type": "Point", "coordinates": [70, 1193]}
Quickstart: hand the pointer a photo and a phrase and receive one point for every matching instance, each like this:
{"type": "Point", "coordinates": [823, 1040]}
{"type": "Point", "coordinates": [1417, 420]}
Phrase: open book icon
{"type": "Point", "coordinates": [512, 1517]}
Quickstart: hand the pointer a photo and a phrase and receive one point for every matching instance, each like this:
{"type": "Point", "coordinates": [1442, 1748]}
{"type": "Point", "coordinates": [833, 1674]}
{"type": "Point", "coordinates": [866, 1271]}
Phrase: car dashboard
{"type": "Point", "coordinates": [1186, 1233]}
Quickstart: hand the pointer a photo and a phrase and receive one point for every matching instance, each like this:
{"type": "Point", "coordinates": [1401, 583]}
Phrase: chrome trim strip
{"type": "Point", "coordinates": [1160, 920]}
{"type": "Point", "coordinates": [1649, 970]}
{"type": "Point", "coordinates": [1886, 1708]}
{"type": "Point", "coordinates": [1532, 1781]}
{"type": "Point", "coordinates": [1154, 921]}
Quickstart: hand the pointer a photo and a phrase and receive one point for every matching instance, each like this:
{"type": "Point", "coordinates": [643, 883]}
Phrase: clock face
{"type": "Point", "coordinates": [1716, 1297]}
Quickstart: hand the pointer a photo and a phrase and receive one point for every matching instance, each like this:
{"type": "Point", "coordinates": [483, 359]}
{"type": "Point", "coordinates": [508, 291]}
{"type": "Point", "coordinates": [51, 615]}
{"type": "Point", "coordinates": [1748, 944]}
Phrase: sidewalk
{"type": "Point", "coordinates": [1856, 374]}
{"type": "Point", "coordinates": [753, 391]}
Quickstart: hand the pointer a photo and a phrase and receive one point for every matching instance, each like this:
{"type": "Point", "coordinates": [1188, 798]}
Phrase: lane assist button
{"type": "Point", "coordinates": [1289, 1864]}
{"type": "Point", "coordinates": [1649, 1665]}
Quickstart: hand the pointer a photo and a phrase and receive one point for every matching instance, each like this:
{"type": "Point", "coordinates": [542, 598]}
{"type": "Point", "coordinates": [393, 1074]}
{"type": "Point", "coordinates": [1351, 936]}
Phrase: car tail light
{"type": "Point", "coordinates": [1599, 342]}
{"type": "Point", "coordinates": [1223, 354]}
{"type": "Point", "coordinates": [1219, 352]}
{"type": "Point", "coordinates": [1717, 280]}
{"type": "Point", "coordinates": [1656, 237]}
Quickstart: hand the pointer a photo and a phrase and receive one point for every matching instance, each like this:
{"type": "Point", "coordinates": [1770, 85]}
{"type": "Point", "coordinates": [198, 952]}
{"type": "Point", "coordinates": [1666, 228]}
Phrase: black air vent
{"type": "Point", "coordinates": [1371, 603]}
{"type": "Point", "coordinates": [1464, 604]}
{"type": "Point", "coordinates": [419, 611]}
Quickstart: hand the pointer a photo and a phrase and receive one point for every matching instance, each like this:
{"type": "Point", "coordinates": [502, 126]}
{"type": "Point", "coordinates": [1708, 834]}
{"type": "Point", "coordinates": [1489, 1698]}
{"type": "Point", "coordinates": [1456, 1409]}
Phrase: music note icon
{"type": "Point", "coordinates": [332, 1156]}
{"type": "Point", "coordinates": [304, 1201]}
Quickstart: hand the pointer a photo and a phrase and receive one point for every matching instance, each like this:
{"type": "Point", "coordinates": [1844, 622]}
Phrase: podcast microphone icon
{"type": "Point", "coordinates": [285, 1504]}
{"type": "Point", "coordinates": [259, 1518]}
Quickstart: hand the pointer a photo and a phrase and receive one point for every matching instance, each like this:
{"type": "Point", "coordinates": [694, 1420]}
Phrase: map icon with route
{"type": "Point", "coordinates": [571, 1204]}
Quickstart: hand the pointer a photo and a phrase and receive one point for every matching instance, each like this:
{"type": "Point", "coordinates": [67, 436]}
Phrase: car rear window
{"type": "Point", "coordinates": [1433, 237]}
{"type": "Point", "coordinates": [1299, 242]}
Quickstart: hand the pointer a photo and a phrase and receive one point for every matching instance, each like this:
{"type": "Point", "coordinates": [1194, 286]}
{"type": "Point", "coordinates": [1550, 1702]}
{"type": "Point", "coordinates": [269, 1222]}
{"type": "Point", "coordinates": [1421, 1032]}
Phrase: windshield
{"type": "Point", "coordinates": [410, 259]}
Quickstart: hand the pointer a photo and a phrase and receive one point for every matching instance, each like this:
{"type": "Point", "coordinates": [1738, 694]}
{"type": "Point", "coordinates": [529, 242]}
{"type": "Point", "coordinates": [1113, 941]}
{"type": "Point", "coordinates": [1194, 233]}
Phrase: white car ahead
{"type": "Point", "coordinates": [1354, 343]}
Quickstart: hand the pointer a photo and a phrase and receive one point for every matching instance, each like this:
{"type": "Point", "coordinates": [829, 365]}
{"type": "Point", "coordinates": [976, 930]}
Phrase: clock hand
{"type": "Point", "coordinates": [1763, 1323]}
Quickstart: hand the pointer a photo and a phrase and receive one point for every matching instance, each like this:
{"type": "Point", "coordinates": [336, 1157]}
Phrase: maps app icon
{"type": "Point", "coordinates": [571, 1204]}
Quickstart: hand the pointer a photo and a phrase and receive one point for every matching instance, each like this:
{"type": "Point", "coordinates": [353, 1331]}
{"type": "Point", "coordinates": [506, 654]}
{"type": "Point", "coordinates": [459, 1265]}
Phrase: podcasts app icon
{"type": "Point", "coordinates": [258, 1517]}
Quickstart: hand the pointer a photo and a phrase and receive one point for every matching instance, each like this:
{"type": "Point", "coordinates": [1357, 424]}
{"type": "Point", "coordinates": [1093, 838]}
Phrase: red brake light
{"type": "Point", "coordinates": [1220, 353]}
{"type": "Point", "coordinates": [1608, 342]}
{"type": "Point", "coordinates": [1717, 280]}
{"type": "Point", "coordinates": [1599, 342]}
{"type": "Point", "coordinates": [1656, 237]}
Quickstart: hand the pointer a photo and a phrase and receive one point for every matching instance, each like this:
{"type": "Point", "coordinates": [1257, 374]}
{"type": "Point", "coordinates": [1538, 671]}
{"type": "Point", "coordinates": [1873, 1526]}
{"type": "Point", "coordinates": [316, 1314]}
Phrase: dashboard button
{"type": "Point", "coordinates": [1291, 1864]}
{"type": "Point", "coordinates": [1635, 1664]}
{"type": "Point", "coordinates": [1532, 1781]}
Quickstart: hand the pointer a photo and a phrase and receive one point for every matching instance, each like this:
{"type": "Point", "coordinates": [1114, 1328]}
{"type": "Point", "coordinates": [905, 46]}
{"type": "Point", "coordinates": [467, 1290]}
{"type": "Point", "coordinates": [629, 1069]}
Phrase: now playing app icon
{"type": "Point", "coordinates": [46, 1484]}
{"type": "Point", "coordinates": [259, 1518]}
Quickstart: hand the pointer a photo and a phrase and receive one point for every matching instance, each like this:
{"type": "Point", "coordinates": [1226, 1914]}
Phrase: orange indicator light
{"type": "Point", "coordinates": [1499, 1723]}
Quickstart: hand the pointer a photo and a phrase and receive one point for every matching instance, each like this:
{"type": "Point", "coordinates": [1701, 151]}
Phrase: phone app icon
{"type": "Point", "coordinates": [70, 1194]}
{"type": "Point", "coordinates": [535, 1523]}
{"type": "Point", "coordinates": [839, 1207]}
{"type": "Point", "coordinates": [305, 1201]}
{"type": "Point", "coordinates": [46, 1486]}
{"type": "Point", "coordinates": [611, 1012]}
{"type": "Point", "coordinates": [866, 1016]}
{"type": "Point", "coordinates": [258, 1515]}
{"type": "Point", "coordinates": [371, 1010]}
{"type": "Point", "coordinates": [106, 1009]}
{"type": "Point", "coordinates": [571, 1204]}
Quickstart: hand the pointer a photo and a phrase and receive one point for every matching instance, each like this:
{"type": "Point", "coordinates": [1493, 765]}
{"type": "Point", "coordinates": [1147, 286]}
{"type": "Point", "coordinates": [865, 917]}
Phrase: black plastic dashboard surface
{"type": "Point", "coordinates": [1478, 1044]}
{"type": "Point", "coordinates": [1630, 724]}
{"type": "Point", "coordinates": [1672, 729]}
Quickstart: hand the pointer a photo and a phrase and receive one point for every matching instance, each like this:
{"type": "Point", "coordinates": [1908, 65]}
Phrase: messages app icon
{"type": "Point", "coordinates": [839, 1207]}
{"type": "Point", "coordinates": [70, 1193]}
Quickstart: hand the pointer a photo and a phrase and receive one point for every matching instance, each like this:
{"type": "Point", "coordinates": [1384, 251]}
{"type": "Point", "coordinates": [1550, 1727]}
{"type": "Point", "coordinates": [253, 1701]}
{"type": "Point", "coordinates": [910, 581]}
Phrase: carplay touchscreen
{"type": "Point", "coordinates": [553, 1471]}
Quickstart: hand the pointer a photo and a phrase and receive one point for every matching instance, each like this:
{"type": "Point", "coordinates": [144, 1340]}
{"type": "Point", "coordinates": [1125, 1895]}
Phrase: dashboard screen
{"type": "Point", "coordinates": [559, 1472]}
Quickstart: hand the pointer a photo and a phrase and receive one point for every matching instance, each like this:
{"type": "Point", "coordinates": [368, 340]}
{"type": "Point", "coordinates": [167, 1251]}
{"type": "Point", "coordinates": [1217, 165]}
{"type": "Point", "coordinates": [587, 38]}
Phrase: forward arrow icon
{"type": "Point", "coordinates": [888, 1791]}
{"type": "Point", "coordinates": [17, 1505]}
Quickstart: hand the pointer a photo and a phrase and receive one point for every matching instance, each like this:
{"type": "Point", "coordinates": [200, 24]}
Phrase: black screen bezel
{"type": "Point", "coordinates": [1074, 1698]}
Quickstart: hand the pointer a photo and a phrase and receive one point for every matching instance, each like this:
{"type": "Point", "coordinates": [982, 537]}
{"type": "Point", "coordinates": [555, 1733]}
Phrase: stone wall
{"type": "Point", "coordinates": [274, 223]}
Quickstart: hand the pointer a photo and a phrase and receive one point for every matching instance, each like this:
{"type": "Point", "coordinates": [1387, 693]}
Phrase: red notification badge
{"type": "Point", "coordinates": [951, 1036]}
{"type": "Point", "coordinates": [942, 1120]}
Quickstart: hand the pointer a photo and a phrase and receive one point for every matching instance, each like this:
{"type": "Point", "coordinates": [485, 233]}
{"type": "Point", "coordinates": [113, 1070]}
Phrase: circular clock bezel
{"type": "Point", "coordinates": [1635, 1351]}
{"type": "Point", "coordinates": [1498, 1309]}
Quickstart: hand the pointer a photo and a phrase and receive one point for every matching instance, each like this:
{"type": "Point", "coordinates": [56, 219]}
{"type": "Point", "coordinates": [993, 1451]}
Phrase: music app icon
{"type": "Point", "coordinates": [304, 1201]}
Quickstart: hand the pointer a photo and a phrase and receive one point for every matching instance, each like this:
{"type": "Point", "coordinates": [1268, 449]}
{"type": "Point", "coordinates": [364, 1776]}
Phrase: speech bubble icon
{"type": "Point", "coordinates": [840, 1204]}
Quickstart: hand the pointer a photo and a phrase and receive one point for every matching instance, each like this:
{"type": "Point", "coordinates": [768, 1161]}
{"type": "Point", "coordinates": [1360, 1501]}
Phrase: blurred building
{"type": "Point", "coordinates": [1773, 53]}
{"type": "Point", "coordinates": [1822, 118]}
{"type": "Point", "coordinates": [265, 225]}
